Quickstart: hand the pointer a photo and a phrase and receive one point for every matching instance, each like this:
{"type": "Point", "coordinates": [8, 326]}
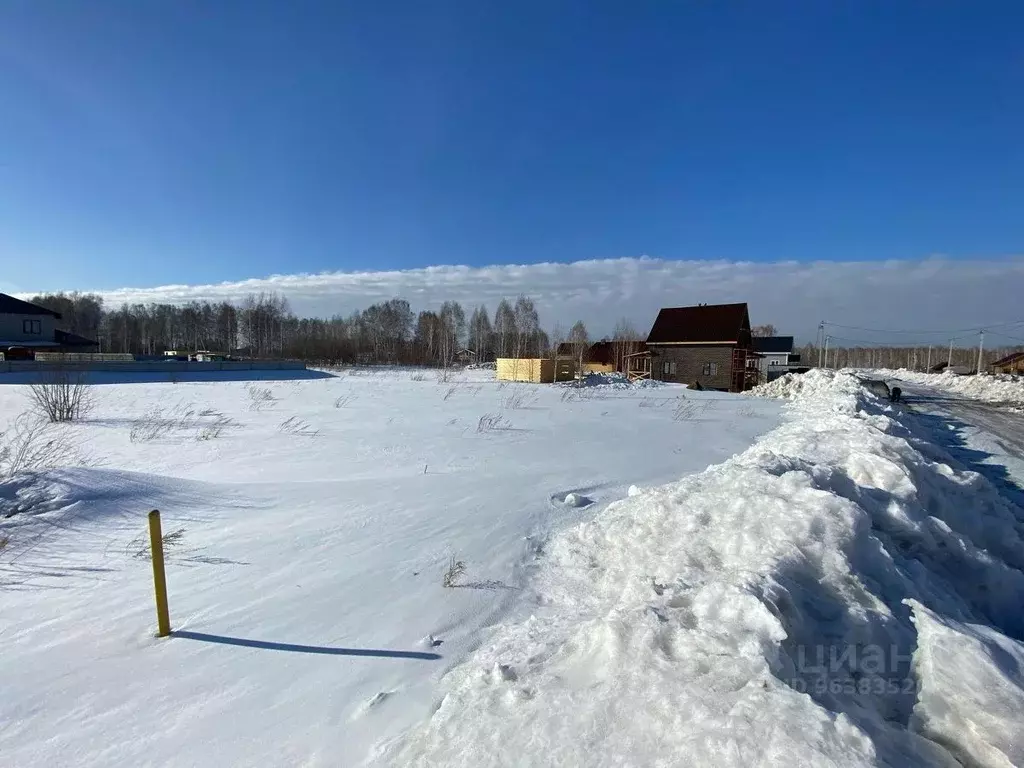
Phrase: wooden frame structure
{"type": "Point", "coordinates": [638, 365]}
{"type": "Point", "coordinates": [746, 369]}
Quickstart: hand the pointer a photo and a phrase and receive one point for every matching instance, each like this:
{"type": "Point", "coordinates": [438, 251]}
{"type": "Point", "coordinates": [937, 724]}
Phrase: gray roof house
{"type": "Point", "coordinates": [776, 354]}
{"type": "Point", "coordinates": [23, 324]}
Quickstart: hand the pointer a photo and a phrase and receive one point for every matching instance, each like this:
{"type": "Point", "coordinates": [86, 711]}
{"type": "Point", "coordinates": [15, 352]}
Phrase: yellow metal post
{"type": "Point", "coordinates": [156, 544]}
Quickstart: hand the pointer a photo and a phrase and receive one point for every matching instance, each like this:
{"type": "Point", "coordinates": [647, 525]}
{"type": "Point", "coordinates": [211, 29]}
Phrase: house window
{"type": "Point", "coordinates": [710, 369]}
{"type": "Point", "coordinates": [32, 326]}
{"type": "Point", "coordinates": [668, 368]}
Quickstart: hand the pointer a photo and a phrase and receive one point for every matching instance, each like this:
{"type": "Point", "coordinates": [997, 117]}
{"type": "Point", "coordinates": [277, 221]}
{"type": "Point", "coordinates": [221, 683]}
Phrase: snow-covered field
{"type": "Point", "coordinates": [994, 389]}
{"type": "Point", "coordinates": [309, 524]}
{"type": "Point", "coordinates": [836, 589]}
{"type": "Point", "coordinates": [842, 593]}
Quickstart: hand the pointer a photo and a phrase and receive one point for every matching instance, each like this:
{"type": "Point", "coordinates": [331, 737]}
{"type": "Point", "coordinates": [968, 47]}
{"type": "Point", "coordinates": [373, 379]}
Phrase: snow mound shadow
{"type": "Point", "coordinates": [82, 522]}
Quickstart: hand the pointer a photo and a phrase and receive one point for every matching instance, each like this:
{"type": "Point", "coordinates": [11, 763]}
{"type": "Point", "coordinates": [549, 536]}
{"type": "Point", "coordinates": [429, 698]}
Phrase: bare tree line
{"type": "Point", "coordinates": [916, 358]}
{"type": "Point", "coordinates": [262, 325]}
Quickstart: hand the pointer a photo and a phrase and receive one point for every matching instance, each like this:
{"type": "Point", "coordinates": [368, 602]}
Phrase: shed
{"type": "Point", "coordinates": [466, 356]}
{"type": "Point", "coordinates": [599, 357]}
{"type": "Point", "coordinates": [536, 370]}
{"type": "Point", "coordinates": [1012, 363]}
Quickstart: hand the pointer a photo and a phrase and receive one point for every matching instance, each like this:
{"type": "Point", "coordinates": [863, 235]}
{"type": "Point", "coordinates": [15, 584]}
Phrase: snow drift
{"type": "Point", "coordinates": [972, 689]}
{"type": "Point", "coordinates": [310, 526]}
{"type": "Point", "coordinates": [823, 598]}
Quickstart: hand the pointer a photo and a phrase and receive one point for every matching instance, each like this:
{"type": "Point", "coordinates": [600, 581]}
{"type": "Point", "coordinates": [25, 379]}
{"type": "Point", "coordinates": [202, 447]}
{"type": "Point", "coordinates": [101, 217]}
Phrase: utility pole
{"type": "Point", "coordinates": [928, 365]}
{"type": "Point", "coordinates": [981, 349]}
{"type": "Point", "coordinates": [826, 350]}
{"type": "Point", "coordinates": [821, 332]}
{"type": "Point", "coordinates": [949, 361]}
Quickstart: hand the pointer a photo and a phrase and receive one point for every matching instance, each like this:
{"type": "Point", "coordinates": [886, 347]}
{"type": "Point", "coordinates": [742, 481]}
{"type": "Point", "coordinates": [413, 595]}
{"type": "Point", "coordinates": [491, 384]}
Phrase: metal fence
{"type": "Point", "coordinates": [171, 367]}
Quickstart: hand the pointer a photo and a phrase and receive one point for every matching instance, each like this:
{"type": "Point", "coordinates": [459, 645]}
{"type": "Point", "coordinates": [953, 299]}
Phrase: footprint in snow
{"type": "Point", "coordinates": [576, 500]}
{"type": "Point", "coordinates": [501, 673]}
{"type": "Point", "coordinates": [374, 701]}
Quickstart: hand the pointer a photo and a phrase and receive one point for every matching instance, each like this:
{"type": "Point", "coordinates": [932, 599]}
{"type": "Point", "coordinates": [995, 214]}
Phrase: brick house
{"type": "Point", "coordinates": [709, 345]}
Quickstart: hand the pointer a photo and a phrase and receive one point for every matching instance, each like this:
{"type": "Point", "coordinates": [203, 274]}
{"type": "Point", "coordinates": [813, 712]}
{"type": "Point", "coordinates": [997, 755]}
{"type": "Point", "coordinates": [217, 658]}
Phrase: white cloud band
{"type": "Point", "coordinates": [931, 294]}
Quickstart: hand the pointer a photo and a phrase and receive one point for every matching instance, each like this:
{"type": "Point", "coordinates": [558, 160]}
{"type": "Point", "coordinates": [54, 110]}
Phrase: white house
{"type": "Point", "coordinates": [776, 354]}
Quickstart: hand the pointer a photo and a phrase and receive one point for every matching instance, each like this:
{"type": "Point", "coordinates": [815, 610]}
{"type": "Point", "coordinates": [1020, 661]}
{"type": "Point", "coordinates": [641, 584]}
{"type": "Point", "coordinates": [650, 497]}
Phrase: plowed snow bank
{"type": "Point", "coordinates": [755, 614]}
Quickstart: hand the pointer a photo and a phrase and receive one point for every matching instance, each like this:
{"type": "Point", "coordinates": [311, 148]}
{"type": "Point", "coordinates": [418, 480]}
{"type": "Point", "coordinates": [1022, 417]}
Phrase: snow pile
{"type": "Point", "coordinates": [612, 381]}
{"type": "Point", "coordinates": [994, 389]}
{"type": "Point", "coordinates": [972, 691]}
{"type": "Point", "coordinates": [814, 382]}
{"type": "Point", "coordinates": [755, 614]}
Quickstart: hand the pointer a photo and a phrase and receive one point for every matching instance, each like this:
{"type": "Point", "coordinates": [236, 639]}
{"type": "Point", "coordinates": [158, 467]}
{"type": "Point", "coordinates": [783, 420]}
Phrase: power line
{"type": "Point", "coordinates": [974, 329]}
{"type": "Point", "coordinates": [1004, 336]}
{"type": "Point", "coordinates": [915, 343]}
{"type": "Point", "coordinates": [896, 344]}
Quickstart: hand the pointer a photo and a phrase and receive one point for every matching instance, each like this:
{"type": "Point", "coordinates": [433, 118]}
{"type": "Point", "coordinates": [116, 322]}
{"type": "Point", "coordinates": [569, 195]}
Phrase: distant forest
{"type": "Point", "coordinates": [389, 332]}
{"type": "Point", "coordinates": [262, 325]}
{"type": "Point", "coordinates": [919, 358]}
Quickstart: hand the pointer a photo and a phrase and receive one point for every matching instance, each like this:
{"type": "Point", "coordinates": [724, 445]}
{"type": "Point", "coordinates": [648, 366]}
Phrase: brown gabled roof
{"type": "Point", "coordinates": [12, 306]}
{"type": "Point", "coordinates": [598, 352]}
{"type": "Point", "coordinates": [565, 349]}
{"type": "Point", "coordinates": [703, 323]}
{"type": "Point", "coordinates": [601, 352]}
{"type": "Point", "coordinates": [1011, 358]}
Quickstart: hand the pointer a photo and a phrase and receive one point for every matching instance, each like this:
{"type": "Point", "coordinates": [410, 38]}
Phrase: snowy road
{"type": "Point", "coordinates": [988, 437]}
{"type": "Point", "coordinates": [1001, 421]}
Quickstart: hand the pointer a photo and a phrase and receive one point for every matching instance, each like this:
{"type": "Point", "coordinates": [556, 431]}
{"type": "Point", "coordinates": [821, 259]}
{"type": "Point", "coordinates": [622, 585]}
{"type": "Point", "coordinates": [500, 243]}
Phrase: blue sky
{"type": "Point", "coordinates": [146, 143]}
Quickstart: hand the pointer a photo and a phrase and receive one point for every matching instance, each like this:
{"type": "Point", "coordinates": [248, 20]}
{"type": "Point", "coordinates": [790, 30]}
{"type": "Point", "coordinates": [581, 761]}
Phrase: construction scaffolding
{"type": "Point", "coordinates": [638, 365]}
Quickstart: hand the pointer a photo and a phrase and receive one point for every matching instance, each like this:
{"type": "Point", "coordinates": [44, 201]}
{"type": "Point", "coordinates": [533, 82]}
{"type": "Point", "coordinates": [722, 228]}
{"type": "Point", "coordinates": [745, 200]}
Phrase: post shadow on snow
{"type": "Point", "coordinates": [850, 657]}
{"type": "Point", "coordinates": [295, 648]}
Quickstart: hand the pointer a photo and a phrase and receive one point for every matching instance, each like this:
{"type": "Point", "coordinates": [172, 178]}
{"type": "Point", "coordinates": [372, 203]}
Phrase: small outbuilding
{"type": "Point", "coordinates": [536, 370]}
{"type": "Point", "coordinates": [1013, 363]}
{"type": "Point", "coordinates": [599, 357]}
